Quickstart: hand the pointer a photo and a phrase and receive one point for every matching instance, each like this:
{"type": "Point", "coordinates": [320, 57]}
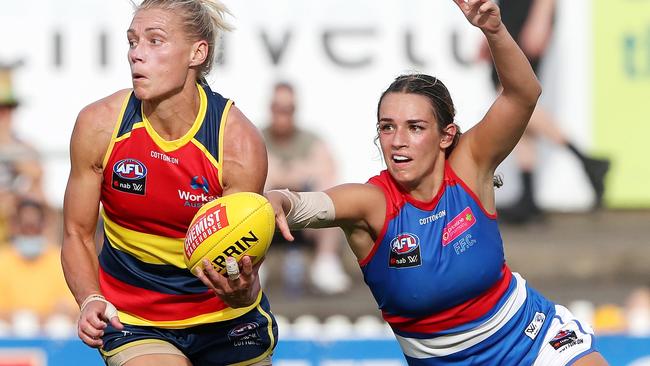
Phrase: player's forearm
{"type": "Point", "coordinates": [80, 267]}
{"type": "Point", "coordinates": [515, 73]}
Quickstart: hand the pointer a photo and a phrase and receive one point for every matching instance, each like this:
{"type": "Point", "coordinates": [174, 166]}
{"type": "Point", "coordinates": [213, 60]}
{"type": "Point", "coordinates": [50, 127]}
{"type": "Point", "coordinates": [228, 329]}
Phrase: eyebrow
{"type": "Point", "coordinates": [150, 29]}
{"type": "Point", "coordinates": [409, 121]}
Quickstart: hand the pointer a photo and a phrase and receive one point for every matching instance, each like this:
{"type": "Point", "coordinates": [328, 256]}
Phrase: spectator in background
{"type": "Point", "coordinates": [32, 280]}
{"type": "Point", "coordinates": [637, 312]}
{"type": "Point", "coordinates": [301, 161]}
{"type": "Point", "coordinates": [530, 22]}
{"type": "Point", "coordinates": [610, 319]}
{"type": "Point", "coordinates": [20, 169]}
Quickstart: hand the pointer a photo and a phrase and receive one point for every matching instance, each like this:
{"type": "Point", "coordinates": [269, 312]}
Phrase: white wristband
{"type": "Point", "coordinates": [109, 312]}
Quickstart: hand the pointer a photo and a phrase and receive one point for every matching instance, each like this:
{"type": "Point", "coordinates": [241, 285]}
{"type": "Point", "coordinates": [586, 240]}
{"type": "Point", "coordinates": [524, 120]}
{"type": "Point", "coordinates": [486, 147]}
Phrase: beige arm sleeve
{"type": "Point", "coordinates": [308, 209]}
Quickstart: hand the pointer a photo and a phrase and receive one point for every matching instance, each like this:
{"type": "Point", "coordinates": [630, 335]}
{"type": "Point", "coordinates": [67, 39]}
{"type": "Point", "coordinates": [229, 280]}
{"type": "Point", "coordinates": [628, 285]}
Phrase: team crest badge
{"type": "Point", "coordinates": [130, 176]}
{"type": "Point", "coordinates": [405, 251]}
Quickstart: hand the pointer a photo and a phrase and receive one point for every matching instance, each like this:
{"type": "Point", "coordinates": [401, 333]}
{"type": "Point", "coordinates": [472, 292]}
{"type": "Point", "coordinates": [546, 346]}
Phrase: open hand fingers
{"type": "Point", "coordinates": [281, 222]}
{"type": "Point", "coordinates": [474, 6]}
{"type": "Point", "coordinates": [237, 292]}
{"type": "Point", "coordinates": [245, 274]}
{"type": "Point", "coordinates": [464, 5]}
{"type": "Point", "coordinates": [211, 278]}
{"type": "Point", "coordinates": [94, 342]}
{"type": "Point", "coordinates": [483, 14]}
{"type": "Point", "coordinates": [247, 268]}
{"type": "Point", "coordinates": [487, 7]}
{"type": "Point", "coordinates": [275, 198]}
{"type": "Point", "coordinates": [232, 269]}
{"type": "Point", "coordinates": [90, 327]}
{"type": "Point", "coordinates": [115, 322]}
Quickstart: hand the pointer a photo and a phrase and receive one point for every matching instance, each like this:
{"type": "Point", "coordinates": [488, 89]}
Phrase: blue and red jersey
{"type": "Point", "coordinates": [151, 190]}
{"type": "Point", "coordinates": [438, 274]}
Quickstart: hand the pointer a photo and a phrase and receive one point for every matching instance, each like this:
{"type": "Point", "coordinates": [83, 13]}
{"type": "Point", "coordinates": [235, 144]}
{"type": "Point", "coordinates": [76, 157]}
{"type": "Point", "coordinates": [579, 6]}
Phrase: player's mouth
{"type": "Point", "coordinates": [137, 76]}
{"type": "Point", "coordinates": [400, 160]}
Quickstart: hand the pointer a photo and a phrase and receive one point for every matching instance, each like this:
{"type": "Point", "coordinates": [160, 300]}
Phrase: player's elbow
{"type": "Point", "coordinates": [533, 92]}
{"type": "Point", "coordinates": [527, 96]}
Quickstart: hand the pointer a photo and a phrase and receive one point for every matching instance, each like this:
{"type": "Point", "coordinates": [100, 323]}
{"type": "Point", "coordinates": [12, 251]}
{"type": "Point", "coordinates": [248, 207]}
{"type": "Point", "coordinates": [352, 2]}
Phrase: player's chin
{"type": "Point", "coordinates": [404, 178]}
{"type": "Point", "coordinates": [142, 89]}
{"type": "Point", "coordinates": [399, 173]}
{"type": "Point", "coordinates": [139, 92]}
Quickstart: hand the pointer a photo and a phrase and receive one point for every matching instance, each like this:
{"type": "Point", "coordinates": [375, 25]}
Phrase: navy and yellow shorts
{"type": "Point", "coordinates": [247, 339]}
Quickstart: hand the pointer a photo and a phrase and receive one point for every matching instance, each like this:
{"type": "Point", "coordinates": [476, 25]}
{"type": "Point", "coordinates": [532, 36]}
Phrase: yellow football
{"type": "Point", "coordinates": [235, 225]}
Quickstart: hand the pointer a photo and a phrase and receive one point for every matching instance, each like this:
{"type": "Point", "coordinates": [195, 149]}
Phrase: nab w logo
{"type": "Point", "coordinates": [130, 169]}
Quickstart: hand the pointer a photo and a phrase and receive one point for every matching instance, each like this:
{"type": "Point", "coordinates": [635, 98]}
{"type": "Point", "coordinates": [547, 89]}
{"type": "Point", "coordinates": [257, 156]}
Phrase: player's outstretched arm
{"type": "Point", "coordinates": [494, 137]}
{"type": "Point", "coordinates": [358, 209]}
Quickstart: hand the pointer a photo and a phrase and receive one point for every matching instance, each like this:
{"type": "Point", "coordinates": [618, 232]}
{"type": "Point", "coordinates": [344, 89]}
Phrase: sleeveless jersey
{"type": "Point", "coordinates": [150, 192]}
{"type": "Point", "coordinates": [438, 273]}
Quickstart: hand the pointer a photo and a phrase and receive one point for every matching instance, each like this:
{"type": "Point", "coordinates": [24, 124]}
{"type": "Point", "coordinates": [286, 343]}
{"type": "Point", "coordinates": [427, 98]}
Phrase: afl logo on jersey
{"type": "Point", "coordinates": [130, 176]}
{"type": "Point", "coordinates": [405, 251]}
{"type": "Point", "coordinates": [404, 243]}
{"type": "Point", "coordinates": [130, 169]}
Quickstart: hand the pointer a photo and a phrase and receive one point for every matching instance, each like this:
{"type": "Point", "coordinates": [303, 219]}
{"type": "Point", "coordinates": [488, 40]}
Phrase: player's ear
{"type": "Point", "coordinates": [448, 134]}
{"type": "Point", "coordinates": [199, 53]}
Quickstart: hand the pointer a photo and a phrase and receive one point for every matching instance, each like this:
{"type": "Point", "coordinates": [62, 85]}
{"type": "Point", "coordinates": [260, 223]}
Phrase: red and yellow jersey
{"type": "Point", "coordinates": [150, 192]}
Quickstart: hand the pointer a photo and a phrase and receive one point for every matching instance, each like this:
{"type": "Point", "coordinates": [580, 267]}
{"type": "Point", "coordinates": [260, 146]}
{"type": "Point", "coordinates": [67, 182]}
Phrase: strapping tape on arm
{"type": "Point", "coordinates": [308, 209]}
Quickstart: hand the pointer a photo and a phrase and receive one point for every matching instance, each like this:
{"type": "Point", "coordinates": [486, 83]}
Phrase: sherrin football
{"type": "Point", "coordinates": [234, 225]}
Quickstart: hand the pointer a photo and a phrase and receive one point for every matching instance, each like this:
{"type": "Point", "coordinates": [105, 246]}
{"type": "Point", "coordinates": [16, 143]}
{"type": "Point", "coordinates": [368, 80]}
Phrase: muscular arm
{"type": "Point", "coordinates": [245, 162]}
{"type": "Point", "coordinates": [88, 144]}
{"type": "Point", "coordinates": [244, 170]}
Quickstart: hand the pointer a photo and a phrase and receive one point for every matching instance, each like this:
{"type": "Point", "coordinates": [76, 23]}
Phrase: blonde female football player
{"type": "Point", "coordinates": [152, 155]}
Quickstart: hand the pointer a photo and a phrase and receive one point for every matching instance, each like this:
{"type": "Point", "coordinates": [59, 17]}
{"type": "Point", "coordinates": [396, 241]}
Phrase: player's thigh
{"type": "Point", "coordinates": [592, 359]}
{"type": "Point", "coordinates": [159, 353]}
{"type": "Point", "coordinates": [159, 360]}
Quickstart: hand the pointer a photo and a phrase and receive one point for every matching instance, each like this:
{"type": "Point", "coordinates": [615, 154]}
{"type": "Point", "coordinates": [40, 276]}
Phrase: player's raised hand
{"type": "Point", "coordinates": [484, 14]}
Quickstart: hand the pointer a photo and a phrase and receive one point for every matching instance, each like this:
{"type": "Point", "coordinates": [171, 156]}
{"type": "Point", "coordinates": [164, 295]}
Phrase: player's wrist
{"type": "Point", "coordinates": [90, 298]}
{"type": "Point", "coordinates": [287, 202]}
{"type": "Point", "coordinates": [109, 311]}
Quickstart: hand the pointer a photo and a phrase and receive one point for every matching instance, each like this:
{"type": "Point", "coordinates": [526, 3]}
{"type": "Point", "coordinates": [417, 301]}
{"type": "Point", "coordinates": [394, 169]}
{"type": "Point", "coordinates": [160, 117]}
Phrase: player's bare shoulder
{"type": "Point", "coordinates": [244, 154]}
{"type": "Point", "coordinates": [248, 136]}
{"type": "Point", "coordinates": [101, 116]}
{"type": "Point", "coordinates": [94, 126]}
